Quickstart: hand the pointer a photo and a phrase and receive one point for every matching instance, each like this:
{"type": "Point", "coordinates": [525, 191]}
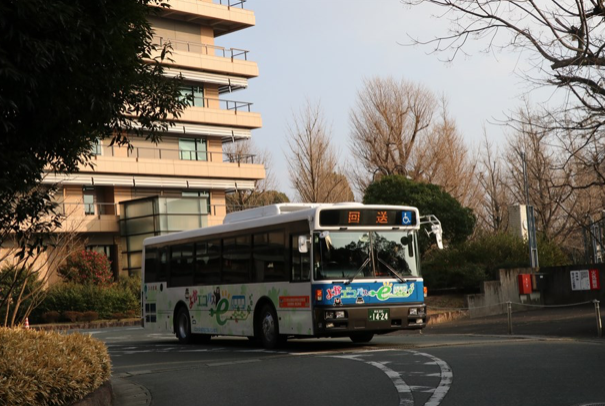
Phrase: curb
{"type": "Point", "coordinates": [129, 394]}
{"type": "Point", "coordinates": [101, 397]}
{"type": "Point", "coordinates": [87, 326]}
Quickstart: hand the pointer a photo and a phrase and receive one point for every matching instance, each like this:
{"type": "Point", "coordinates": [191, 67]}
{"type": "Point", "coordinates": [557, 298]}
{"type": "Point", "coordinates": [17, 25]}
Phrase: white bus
{"type": "Point", "coordinates": [289, 270]}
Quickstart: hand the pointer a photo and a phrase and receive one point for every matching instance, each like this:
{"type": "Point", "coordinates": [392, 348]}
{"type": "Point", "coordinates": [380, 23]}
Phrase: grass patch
{"type": "Point", "coordinates": [49, 368]}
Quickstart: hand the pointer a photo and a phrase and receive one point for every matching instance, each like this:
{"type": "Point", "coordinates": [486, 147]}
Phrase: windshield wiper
{"type": "Point", "coordinates": [394, 272]}
{"type": "Point", "coordinates": [358, 271]}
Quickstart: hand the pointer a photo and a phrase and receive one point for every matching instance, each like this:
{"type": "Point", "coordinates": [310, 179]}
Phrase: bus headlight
{"type": "Point", "coordinates": [329, 315]}
{"type": "Point", "coordinates": [413, 311]}
{"type": "Point", "coordinates": [340, 314]}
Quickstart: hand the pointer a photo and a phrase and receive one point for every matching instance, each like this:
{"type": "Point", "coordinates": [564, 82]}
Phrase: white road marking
{"type": "Point", "coordinates": [447, 377]}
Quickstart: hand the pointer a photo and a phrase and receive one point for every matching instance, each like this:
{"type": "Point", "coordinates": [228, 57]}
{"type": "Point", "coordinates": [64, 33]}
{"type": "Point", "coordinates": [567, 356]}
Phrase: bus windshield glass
{"type": "Point", "coordinates": [364, 254]}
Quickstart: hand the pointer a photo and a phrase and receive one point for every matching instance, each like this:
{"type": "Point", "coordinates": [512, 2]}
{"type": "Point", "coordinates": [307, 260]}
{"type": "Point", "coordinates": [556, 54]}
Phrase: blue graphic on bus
{"type": "Point", "coordinates": [372, 292]}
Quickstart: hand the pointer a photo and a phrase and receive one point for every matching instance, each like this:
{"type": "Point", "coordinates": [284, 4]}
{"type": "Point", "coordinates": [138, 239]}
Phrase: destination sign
{"type": "Point", "coordinates": [367, 217]}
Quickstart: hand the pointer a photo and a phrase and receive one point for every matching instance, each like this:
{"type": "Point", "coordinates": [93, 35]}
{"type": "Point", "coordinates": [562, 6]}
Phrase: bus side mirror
{"type": "Point", "coordinates": [436, 229]}
{"type": "Point", "coordinates": [303, 244]}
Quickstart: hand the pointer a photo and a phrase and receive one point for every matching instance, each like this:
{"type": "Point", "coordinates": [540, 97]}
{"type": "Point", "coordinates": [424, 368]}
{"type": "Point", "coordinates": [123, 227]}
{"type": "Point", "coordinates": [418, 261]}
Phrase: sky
{"type": "Point", "coordinates": [322, 50]}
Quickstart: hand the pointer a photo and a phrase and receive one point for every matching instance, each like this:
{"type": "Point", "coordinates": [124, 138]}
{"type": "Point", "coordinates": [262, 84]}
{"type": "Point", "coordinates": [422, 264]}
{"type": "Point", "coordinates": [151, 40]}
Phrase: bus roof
{"type": "Point", "coordinates": [284, 213]}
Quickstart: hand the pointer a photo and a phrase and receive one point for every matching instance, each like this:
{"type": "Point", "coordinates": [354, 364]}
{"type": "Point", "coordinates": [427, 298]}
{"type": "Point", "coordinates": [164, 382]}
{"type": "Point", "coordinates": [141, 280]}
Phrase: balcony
{"type": "Point", "coordinates": [207, 57]}
{"type": "Point", "coordinates": [223, 112]}
{"type": "Point", "coordinates": [177, 164]}
{"type": "Point", "coordinates": [224, 16]}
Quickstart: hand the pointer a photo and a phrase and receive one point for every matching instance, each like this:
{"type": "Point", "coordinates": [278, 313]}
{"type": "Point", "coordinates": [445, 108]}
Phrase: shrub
{"type": "Point", "coordinates": [30, 359]}
{"type": "Point", "coordinates": [118, 316]}
{"type": "Point", "coordinates": [89, 316]}
{"type": "Point", "coordinates": [132, 283]}
{"type": "Point", "coordinates": [51, 317]}
{"type": "Point", "coordinates": [81, 298]}
{"type": "Point", "coordinates": [86, 268]}
{"type": "Point", "coordinates": [72, 316]}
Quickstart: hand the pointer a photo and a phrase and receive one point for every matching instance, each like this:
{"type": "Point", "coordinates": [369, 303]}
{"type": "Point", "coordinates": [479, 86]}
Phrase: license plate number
{"type": "Point", "coordinates": [378, 314]}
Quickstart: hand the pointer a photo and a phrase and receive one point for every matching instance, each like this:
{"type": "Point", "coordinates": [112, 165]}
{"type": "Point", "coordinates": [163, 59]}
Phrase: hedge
{"type": "Point", "coordinates": [49, 368]}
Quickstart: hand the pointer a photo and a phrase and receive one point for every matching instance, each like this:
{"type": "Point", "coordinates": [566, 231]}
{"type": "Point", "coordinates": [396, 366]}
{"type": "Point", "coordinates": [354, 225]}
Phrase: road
{"type": "Point", "coordinates": [401, 369]}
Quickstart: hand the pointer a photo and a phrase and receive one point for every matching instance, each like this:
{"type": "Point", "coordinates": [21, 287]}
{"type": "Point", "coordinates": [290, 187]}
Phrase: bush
{"type": "Point", "coordinates": [81, 298]}
{"type": "Point", "coordinates": [51, 317]}
{"type": "Point", "coordinates": [72, 316]}
{"type": "Point", "coordinates": [89, 316]}
{"type": "Point", "coordinates": [131, 283]}
{"type": "Point", "coordinates": [86, 268]}
{"type": "Point", "coordinates": [30, 359]}
{"type": "Point", "coordinates": [465, 266]}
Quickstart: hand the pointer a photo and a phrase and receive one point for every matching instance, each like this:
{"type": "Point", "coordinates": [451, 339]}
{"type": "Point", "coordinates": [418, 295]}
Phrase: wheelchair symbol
{"type": "Point", "coordinates": [406, 219]}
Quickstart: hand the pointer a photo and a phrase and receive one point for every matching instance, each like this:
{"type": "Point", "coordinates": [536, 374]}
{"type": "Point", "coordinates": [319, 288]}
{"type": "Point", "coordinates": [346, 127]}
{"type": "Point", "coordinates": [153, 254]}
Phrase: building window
{"type": "Point", "coordinates": [193, 94]}
{"type": "Point", "coordinates": [88, 194]}
{"type": "Point", "coordinates": [193, 149]}
{"type": "Point", "coordinates": [204, 196]}
{"type": "Point", "coordinates": [97, 148]}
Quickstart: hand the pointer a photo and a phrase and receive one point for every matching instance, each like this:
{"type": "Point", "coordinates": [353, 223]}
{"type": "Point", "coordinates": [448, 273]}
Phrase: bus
{"type": "Point", "coordinates": [289, 270]}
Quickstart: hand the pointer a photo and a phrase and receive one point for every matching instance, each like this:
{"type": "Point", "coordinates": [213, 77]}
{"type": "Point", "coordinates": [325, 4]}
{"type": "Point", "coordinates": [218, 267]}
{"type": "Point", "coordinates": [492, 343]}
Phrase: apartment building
{"type": "Point", "coordinates": [181, 182]}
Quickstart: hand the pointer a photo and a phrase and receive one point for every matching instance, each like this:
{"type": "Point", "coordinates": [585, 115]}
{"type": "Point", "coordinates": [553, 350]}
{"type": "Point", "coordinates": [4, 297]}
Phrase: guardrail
{"type": "Point", "coordinates": [201, 48]}
{"type": "Point", "coordinates": [231, 3]}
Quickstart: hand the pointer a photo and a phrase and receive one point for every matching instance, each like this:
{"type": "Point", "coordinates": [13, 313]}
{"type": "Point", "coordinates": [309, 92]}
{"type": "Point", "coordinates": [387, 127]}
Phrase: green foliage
{"type": "Point", "coordinates": [466, 265]}
{"type": "Point", "coordinates": [87, 267]}
{"type": "Point", "coordinates": [49, 368]}
{"type": "Point", "coordinates": [12, 281]}
{"type": "Point", "coordinates": [457, 222]}
{"type": "Point", "coordinates": [131, 283]}
{"type": "Point", "coordinates": [72, 72]}
{"type": "Point", "coordinates": [81, 298]}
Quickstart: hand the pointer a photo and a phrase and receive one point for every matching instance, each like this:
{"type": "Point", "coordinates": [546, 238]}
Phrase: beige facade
{"type": "Point", "coordinates": [189, 162]}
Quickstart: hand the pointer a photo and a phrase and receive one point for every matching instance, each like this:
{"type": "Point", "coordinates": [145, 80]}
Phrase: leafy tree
{"type": "Point", "coordinates": [457, 221]}
{"type": "Point", "coordinates": [72, 72]}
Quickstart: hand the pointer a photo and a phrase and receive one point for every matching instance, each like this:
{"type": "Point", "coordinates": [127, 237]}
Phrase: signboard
{"type": "Point", "coordinates": [585, 280]}
{"type": "Point", "coordinates": [367, 217]}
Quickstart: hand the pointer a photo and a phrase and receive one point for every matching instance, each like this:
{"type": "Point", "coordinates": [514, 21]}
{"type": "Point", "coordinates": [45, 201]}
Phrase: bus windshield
{"type": "Point", "coordinates": [364, 254]}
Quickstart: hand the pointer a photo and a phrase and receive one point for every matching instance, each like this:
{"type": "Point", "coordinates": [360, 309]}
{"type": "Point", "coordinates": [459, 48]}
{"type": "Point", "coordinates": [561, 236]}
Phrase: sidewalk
{"type": "Point", "coordinates": [573, 322]}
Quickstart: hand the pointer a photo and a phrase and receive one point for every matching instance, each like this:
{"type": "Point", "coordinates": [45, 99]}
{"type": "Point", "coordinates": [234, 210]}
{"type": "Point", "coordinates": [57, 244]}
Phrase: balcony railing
{"type": "Point", "coordinates": [231, 3]}
{"type": "Point", "coordinates": [180, 154]}
{"type": "Point", "coordinates": [113, 209]}
{"type": "Point", "coordinates": [204, 49]}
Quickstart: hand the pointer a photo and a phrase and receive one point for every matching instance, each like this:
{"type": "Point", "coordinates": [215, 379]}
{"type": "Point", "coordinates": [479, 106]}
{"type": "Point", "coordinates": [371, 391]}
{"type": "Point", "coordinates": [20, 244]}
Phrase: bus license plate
{"type": "Point", "coordinates": [378, 314]}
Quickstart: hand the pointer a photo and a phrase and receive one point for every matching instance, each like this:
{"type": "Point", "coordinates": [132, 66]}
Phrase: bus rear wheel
{"type": "Point", "coordinates": [268, 327]}
{"type": "Point", "coordinates": [183, 326]}
{"type": "Point", "coordinates": [361, 337]}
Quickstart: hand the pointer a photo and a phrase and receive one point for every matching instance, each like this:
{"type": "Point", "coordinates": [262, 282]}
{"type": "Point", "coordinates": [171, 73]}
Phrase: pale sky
{"type": "Point", "coordinates": [322, 50]}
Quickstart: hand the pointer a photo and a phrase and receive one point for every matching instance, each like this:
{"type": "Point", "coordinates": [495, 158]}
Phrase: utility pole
{"type": "Point", "coordinates": [531, 222]}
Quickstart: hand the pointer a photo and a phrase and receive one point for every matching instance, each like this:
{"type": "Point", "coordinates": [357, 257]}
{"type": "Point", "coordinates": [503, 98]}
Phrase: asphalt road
{"type": "Point", "coordinates": [401, 369]}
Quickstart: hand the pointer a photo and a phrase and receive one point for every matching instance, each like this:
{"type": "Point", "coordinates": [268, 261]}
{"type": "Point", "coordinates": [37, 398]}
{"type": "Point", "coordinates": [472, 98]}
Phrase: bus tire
{"type": "Point", "coordinates": [268, 327]}
{"type": "Point", "coordinates": [361, 337]}
{"type": "Point", "coordinates": [182, 326]}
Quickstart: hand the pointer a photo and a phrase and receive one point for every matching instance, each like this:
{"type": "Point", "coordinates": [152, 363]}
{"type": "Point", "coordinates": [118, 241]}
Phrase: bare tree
{"type": "Point", "coordinates": [493, 211]}
{"type": "Point", "coordinates": [25, 275]}
{"type": "Point", "coordinates": [442, 158]}
{"type": "Point", "coordinates": [564, 40]}
{"type": "Point", "coordinates": [264, 191]}
{"type": "Point", "coordinates": [313, 165]}
{"type": "Point", "coordinates": [548, 184]}
{"type": "Point", "coordinates": [386, 123]}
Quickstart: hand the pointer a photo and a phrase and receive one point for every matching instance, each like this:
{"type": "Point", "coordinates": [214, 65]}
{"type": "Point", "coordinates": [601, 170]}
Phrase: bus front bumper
{"type": "Point", "coordinates": [335, 321]}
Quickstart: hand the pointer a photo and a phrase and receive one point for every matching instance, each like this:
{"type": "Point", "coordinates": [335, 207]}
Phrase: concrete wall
{"type": "Point", "coordinates": [557, 285]}
{"type": "Point", "coordinates": [494, 295]}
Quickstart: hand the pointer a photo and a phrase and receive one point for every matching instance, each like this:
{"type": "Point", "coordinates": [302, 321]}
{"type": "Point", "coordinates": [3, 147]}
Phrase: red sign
{"type": "Point", "coordinates": [595, 282]}
{"type": "Point", "coordinates": [294, 302]}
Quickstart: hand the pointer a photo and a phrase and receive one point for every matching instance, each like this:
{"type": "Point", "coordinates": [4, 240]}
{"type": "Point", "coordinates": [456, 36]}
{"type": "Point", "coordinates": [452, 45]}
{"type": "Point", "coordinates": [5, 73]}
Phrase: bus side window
{"type": "Point", "coordinates": [162, 275]}
{"type": "Point", "coordinates": [151, 264]}
{"type": "Point", "coordinates": [301, 264]}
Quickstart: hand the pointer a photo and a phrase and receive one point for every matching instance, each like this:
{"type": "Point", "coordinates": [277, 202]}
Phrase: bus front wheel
{"type": "Point", "coordinates": [183, 326]}
{"type": "Point", "coordinates": [361, 337]}
{"type": "Point", "coordinates": [268, 327]}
